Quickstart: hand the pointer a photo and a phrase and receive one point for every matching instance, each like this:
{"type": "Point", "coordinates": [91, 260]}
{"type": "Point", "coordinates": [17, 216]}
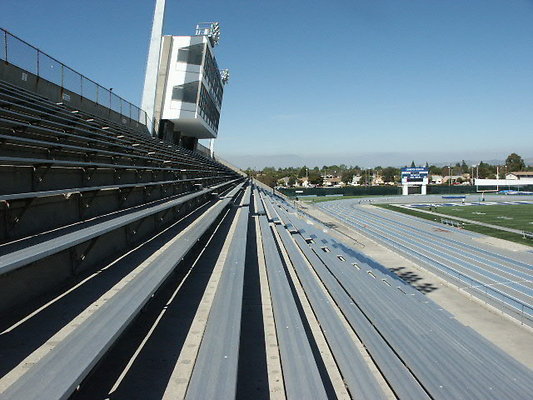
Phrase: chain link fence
{"type": "Point", "coordinates": [19, 53]}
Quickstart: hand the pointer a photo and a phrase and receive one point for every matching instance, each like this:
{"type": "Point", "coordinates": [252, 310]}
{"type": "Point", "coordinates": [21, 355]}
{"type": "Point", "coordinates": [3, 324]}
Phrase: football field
{"type": "Point", "coordinates": [518, 216]}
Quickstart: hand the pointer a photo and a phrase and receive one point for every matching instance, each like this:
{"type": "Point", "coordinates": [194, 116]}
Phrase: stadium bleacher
{"type": "Point", "coordinates": [98, 219]}
{"type": "Point", "coordinates": [69, 178]}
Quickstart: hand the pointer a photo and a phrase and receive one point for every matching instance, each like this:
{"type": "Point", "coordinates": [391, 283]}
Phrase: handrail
{"type": "Point", "coordinates": [20, 53]}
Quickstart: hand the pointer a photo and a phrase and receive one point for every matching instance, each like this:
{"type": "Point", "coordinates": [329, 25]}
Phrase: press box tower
{"type": "Point", "coordinates": [189, 87]}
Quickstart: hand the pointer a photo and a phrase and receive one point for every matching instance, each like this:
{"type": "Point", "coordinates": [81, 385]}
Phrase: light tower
{"type": "Point", "coordinates": [152, 64]}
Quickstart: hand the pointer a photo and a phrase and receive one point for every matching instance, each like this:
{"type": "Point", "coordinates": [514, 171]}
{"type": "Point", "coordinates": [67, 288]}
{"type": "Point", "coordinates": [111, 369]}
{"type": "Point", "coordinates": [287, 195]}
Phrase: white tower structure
{"type": "Point", "coordinates": [190, 87]}
{"type": "Point", "coordinates": [152, 64]}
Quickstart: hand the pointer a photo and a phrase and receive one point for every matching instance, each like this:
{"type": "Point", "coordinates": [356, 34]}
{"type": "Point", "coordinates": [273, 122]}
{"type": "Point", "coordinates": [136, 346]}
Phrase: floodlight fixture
{"type": "Point", "coordinates": [209, 29]}
{"type": "Point", "coordinates": [215, 32]}
{"type": "Point", "coordinates": [224, 76]}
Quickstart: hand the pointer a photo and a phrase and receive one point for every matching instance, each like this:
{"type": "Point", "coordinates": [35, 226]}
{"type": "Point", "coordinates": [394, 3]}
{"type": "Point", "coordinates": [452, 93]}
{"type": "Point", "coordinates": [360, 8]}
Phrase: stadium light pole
{"type": "Point", "coordinates": [152, 64]}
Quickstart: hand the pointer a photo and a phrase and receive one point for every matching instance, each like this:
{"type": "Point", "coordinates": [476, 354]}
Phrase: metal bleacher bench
{"type": "Point", "coordinates": [61, 370]}
{"type": "Point", "coordinates": [58, 242]}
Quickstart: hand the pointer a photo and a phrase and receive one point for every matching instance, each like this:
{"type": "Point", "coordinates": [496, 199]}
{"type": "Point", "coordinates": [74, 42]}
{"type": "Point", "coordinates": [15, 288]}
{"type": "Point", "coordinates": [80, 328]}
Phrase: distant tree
{"type": "Point", "coordinates": [413, 164]}
{"type": "Point", "coordinates": [434, 170]}
{"type": "Point", "coordinates": [515, 163]}
{"type": "Point", "coordinates": [347, 176]}
{"type": "Point", "coordinates": [333, 169]}
{"type": "Point", "coordinates": [269, 171]}
{"type": "Point", "coordinates": [315, 178]}
{"type": "Point", "coordinates": [483, 170]}
{"type": "Point", "coordinates": [268, 180]}
{"type": "Point", "coordinates": [390, 174]}
{"type": "Point", "coordinates": [456, 169]}
{"type": "Point", "coordinates": [464, 167]}
{"type": "Point", "coordinates": [292, 181]}
{"type": "Point", "coordinates": [302, 172]}
{"type": "Point", "coordinates": [250, 172]}
{"type": "Point", "coordinates": [366, 176]}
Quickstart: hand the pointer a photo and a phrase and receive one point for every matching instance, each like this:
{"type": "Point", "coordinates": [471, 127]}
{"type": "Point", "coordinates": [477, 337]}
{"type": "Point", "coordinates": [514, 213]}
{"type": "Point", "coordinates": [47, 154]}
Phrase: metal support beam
{"type": "Point", "coordinates": [78, 256]}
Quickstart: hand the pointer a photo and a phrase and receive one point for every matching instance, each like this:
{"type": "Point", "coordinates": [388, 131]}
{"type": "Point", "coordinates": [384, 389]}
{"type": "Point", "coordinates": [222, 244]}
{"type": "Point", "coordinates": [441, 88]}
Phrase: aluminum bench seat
{"type": "Point", "coordinates": [59, 242]}
{"type": "Point", "coordinates": [61, 370]}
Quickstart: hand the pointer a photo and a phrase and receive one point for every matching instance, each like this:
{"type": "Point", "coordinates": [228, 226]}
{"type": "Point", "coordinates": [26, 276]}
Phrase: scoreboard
{"type": "Point", "coordinates": [415, 175]}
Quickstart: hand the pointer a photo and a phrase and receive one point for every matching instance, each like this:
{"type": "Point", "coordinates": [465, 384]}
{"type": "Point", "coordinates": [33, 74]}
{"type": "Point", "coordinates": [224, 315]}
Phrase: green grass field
{"type": "Point", "coordinates": [513, 237]}
{"type": "Point", "coordinates": [510, 216]}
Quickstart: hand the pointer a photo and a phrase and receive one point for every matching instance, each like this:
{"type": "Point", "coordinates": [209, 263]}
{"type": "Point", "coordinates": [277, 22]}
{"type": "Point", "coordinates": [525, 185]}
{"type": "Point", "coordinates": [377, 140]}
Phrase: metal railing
{"type": "Point", "coordinates": [16, 51]}
{"type": "Point", "coordinates": [485, 292]}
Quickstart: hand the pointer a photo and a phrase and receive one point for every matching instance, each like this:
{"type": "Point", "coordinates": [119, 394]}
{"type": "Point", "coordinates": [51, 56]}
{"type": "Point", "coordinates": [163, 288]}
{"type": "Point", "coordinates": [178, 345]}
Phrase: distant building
{"type": "Point", "coordinates": [453, 178]}
{"type": "Point", "coordinates": [436, 179]}
{"type": "Point", "coordinates": [356, 180]}
{"type": "Point", "coordinates": [284, 181]}
{"type": "Point", "coordinates": [304, 182]}
{"type": "Point", "coordinates": [377, 180]}
{"type": "Point", "coordinates": [519, 175]}
{"type": "Point", "coordinates": [332, 180]}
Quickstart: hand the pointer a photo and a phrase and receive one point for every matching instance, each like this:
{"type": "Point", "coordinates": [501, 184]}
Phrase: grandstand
{"type": "Point", "coordinates": [126, 264]}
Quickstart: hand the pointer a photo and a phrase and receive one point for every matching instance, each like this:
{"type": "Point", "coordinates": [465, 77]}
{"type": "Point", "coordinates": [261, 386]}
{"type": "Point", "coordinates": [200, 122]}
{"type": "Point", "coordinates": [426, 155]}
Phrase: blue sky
{"type": "Point", "coordinates": [363, 82]}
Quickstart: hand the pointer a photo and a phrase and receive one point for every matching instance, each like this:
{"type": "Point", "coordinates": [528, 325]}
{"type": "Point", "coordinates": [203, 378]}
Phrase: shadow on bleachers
{"type": "Point", "coordinates": [412, 278]}
{"type": "Point", "coordinates": [65, 174]}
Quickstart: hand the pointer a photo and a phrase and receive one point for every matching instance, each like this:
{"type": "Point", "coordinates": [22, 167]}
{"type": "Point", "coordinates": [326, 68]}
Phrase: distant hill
{"type": "Point", "coordinates": [366, 160]}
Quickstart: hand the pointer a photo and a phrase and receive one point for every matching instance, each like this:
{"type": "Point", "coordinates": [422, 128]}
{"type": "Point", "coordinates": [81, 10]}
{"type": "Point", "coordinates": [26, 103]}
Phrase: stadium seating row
{"type": "Point", "coordinates": [97, 219]}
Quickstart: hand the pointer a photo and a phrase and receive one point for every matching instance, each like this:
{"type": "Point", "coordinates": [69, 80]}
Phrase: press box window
{"type": "Point", "coordinates": [186, 92]}
{"type": "Point", "coordinates": [191, 54]}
